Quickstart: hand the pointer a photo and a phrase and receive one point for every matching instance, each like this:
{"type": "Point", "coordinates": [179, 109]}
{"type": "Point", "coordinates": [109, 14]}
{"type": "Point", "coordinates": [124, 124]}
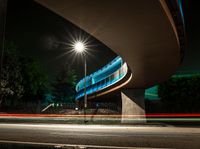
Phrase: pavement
{"type": "Point", "coordinates": [99, 136]}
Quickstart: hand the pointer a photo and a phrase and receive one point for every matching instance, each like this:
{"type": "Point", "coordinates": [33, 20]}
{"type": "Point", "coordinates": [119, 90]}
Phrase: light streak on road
{"type": "Point", "coordinates": [174, 117]}
{"type": "Point", "coordinates": [101, 115]}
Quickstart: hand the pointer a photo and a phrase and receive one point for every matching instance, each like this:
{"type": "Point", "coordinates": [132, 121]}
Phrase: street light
{"type": "Point", "coordinates": [80, 48]}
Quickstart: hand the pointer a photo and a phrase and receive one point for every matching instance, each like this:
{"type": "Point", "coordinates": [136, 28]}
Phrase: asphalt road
{"type": "Point", "coordinates": [101, 135]}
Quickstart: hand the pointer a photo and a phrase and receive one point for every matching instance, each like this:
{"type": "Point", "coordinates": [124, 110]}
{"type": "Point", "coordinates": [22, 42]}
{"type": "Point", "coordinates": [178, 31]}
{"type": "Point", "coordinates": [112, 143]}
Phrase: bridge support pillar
{"type": "Point", "coordinates": [133, 106]}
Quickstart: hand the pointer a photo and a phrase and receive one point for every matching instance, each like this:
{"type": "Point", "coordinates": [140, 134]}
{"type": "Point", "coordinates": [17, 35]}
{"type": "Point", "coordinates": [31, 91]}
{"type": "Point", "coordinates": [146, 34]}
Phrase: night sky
{"type": "Point", "coordinates": [40, 33]}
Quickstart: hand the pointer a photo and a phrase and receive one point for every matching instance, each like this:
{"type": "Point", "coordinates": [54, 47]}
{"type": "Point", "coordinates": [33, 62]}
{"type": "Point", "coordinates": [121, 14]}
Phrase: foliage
{"type": "Point", "coordinates": [24, 83]}
{"type": "Point", "coordinates": [11, 77]}
{"type": "Point", "coordinates": [64, 85]}
{"type": "Point", "coordinates": [181, 94]}
{"type": "Point", "coordinates": [35, 80]}
{"type": "Point", "coordinates": [21, 77]}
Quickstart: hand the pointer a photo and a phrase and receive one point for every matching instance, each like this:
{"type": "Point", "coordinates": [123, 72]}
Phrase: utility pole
{"type": "Point", "coordinates": [3, 13]}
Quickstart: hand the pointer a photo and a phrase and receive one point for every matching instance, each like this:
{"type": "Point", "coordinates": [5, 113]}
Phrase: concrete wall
{"type": "Point", "coordinates": [133, 106]}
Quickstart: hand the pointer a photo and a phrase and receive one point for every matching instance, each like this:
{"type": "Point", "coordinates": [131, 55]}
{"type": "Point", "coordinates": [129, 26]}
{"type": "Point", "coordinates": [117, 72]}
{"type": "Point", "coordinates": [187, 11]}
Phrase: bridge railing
{"type": "Point", "coordinates": [108, 80]}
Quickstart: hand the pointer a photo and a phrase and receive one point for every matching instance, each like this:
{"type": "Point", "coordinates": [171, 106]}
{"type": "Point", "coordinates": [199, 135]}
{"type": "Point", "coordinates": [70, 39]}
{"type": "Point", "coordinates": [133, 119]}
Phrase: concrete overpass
{"type": "Point", "coordinates": [147, 34]}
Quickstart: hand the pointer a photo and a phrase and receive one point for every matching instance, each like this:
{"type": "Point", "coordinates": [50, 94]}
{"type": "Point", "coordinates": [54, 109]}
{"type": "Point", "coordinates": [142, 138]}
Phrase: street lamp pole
{"type": "Point", "coordinates": [85, 95]}
{"type": "Point", "coordinates": [79, 47]}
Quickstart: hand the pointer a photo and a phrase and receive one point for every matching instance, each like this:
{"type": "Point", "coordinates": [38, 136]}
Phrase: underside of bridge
{"type": "Point", "coordinates": [142, 32]}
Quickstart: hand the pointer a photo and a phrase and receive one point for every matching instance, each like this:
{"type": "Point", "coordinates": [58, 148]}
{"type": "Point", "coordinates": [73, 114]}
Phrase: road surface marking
{"type": "Point", "coordinates": [74, 145]}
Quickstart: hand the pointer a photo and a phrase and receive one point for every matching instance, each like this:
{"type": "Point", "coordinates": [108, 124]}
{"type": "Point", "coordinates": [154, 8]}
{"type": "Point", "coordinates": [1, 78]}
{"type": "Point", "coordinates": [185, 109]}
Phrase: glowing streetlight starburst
{"type": "Point", "coordinates": [79, 47]}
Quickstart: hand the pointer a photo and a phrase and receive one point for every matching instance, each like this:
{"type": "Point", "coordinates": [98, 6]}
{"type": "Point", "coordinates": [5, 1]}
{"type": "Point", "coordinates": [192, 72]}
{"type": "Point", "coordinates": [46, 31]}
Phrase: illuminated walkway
{"type": "Point", "coordinates": [103, 78]}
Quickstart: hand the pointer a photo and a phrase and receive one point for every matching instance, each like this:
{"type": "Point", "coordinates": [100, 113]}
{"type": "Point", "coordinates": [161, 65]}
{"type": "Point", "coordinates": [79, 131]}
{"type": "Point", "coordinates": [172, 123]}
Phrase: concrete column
{"type": "Point", "coordinates": [133, 106]}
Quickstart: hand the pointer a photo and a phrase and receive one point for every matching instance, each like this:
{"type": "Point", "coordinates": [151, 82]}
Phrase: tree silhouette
{"type": "Point", "coordinates": [23, 79]}
{"type": "Point", "coordinates": [64, 85]}
{"type": "Point", "coordinates": [11, 78]}
{"type": "Point", "coordinates": [181, 94]}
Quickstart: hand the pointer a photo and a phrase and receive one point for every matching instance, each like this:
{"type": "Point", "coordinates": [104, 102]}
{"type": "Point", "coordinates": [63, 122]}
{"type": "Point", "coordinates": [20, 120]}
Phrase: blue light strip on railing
{"type": "Point", "coordinates": [108, 80]}
{"type": "Point", "coordinates": [181, 10]}
{"type": "Point", "coordinates": [94, 88]}
{"type": "Point", "coordinates": [100, 74]}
